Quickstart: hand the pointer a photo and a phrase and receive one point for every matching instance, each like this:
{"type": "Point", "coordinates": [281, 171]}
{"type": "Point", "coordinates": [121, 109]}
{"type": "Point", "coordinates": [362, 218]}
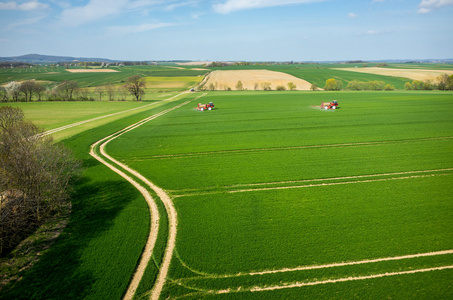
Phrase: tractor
{"type": "Point", "coordinates": [329, 105]}
{"type": "Point", "coordinates": [202, 107]}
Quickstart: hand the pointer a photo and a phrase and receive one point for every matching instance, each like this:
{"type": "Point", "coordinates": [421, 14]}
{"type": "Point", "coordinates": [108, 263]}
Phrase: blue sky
{"type": "Point", "coordinates": [252, 30]}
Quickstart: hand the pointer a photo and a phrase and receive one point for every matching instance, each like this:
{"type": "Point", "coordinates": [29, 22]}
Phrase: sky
{"type": "Point", "coordinates": [229, 30]}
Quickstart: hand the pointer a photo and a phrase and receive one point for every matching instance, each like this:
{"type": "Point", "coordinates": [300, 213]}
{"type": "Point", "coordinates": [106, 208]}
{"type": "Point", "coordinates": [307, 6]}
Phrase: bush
{"type": "Point", "coordinates": [280, 88]}
{"type": "Point", "coordinates": [389, 87]}
{"type": "Point", "coordinates": [333, 85]}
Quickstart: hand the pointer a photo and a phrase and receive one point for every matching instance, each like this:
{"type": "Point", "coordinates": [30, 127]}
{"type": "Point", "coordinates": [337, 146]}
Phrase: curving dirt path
{"type": "Point", "coordinates": [171, 211]}
{"type": "Point", "coordinates": [106, 116]}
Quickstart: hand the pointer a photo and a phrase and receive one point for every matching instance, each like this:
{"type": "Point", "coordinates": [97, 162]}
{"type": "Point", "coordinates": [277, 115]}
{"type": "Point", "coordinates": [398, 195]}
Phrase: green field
{"type": "Point", "coordinates": [265, 182]}
{"type": "Point", "coordinates": [268, 182]}
{"type": "Point", "coordinates": [58, 74]}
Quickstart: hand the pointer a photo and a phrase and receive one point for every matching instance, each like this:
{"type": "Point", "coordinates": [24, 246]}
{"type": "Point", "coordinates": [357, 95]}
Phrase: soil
{"type": "Point", "coordinates": [414, 74]}
{"type": "Point", "coordinates": [252, 80]}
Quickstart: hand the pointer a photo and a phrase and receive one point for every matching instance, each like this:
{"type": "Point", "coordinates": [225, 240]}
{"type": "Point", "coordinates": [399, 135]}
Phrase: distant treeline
{"type": "Point", "coordinates": [444, 83]}
{"type": "Point", "coordinates": [69, 90]}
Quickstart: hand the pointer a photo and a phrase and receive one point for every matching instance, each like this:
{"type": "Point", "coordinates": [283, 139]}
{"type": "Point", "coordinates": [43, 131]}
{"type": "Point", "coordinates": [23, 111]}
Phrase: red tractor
{"type": "Point", "coordinates": [329, 105]}
{"type": "Point", "coordinates": [202, 107]}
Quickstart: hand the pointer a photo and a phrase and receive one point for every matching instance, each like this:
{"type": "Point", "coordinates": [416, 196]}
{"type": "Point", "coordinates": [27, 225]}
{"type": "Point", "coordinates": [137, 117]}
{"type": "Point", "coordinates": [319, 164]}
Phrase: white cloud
{"type": "Point", "coordinates": [31, 5]}
{"type": "Point", "coordinates": [428, 5]}
{"type": "Point", "coordinates": [123, 30]}
{"type": "Point", "coordinates": [98, 9]}
{"type": "Point", "coordinates": [235, 5]}
{"type": "Point", "coordinates": [352, 15]}
{"type": "Point", "coordinates": [94, 10]}
{"type": "Point", "coordinates": [25, 22]}
{"type": "Point", "coordinates": [375, 32]}
{"type": "Point", "coordinates": [176, 5]}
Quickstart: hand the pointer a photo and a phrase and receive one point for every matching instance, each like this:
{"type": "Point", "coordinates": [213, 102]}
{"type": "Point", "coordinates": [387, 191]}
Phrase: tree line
{"type": "Point", "coordinates": [444, 82]}
{"type": "Point", "coordinates": [35, 176]}
{"type": "Point", "coordinates": [69, 90]}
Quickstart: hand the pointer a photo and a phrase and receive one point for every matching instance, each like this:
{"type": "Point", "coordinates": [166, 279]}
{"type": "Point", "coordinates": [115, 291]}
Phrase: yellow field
{"type": "Point", "coordinates": [153, 82]}
{"type": "Point", "coordinates": [91, 70]}
{"type": "Point", "coordinates": [414, 74]}
{"type": "Point", "coordinates": [252, 79]}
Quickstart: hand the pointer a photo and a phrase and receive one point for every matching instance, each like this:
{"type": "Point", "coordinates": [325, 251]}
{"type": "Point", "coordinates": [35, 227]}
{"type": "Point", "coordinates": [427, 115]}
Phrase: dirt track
{"type": "Point", "coordinates": [171, 211]}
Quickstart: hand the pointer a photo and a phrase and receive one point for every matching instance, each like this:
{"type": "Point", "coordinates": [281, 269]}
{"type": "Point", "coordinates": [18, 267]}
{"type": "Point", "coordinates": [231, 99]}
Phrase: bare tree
{"type": "Point", "coordinates": [266, 86]}
{"type": "Point", "coordinates": [110, 90]}
{"type": "Point", "coordinates": [3, 94]}
{"type": "Point", "coordinates": [12, 90]}
{"type": "Point", "coordinates": [123, 93]}
{"type": "Point", "coordinates": [135, 85]}
{"type": "Point", "coordinates": [34, 177]}
{"type": "Point", "coordinates": [239, 86]}
{"type": "Point", "coordinates": [67, 89]}
{"type": "Point", "coordinates": [39, 90]}
{"type": "Point", "coordinates": [100, 90]}
{"type": "Point", "coordinates": [27, 88]}
{"type": "Point", "coordinates": [313, 87]}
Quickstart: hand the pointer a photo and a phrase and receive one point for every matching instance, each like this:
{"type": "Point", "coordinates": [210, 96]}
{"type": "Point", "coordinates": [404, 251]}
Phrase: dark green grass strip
{"type": "Point", "coordinates": [96, 255]}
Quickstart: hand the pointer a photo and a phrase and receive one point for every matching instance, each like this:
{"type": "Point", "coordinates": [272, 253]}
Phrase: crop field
{"type": "Point", "coordinates": [172, 83]}
{"type": "Point", "coordinates": [277, 198]}
{"type": "Point", "coordinates": [92, 79]}
{"type": "Point", "coordinates": [415, 74]}
{"type": "Point", "coordinates": [319, 73]}
{"type": "Point", "coordinates": [274, 197]}
{"type": "Point", "coordinates": [252, 80]}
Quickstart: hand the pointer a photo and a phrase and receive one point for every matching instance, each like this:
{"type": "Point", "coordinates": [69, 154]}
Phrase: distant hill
{"type": "Point", "coordinates": [50, 59]}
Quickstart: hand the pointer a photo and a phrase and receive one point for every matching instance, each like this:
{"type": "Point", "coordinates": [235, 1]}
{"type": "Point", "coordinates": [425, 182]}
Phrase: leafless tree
{"type": "Point", "coordinates": [110, 90]}
{"type": "Point", "coordinates": [135, 85]}
{"type": "Point", "coordinates": [34, 177]}
{"type": "Point", "coordinates": [100, 91]}
{"type": "Point", "coordinates": [12, 89]}
{"type": "Point", "coordinates": [27, 88]}
{"type": "Point", "coordinates": [3, 94]}
{"type": "Point", "coordinates": [39, 90]}
{"type": "Point", "coordinates": [67, 89]}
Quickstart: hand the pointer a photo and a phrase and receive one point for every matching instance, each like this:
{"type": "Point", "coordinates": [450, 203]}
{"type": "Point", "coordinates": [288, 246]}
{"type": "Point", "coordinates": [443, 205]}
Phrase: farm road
{"type": "Point", "coordinates": [106, 116]}
{"type": "Point", "coordinates": [115, 166]}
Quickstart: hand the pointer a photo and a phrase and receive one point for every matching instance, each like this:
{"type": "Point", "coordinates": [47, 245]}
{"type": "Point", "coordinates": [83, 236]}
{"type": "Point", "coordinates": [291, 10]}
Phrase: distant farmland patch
{"type": "Point", "coordinates": [172, 83]}
{"type": "Point", "coordinates": [414, 74]}
{"type": "Point", "coordinates": [253, 80]}
{"type": "Point", "coordinates": [91, 70]}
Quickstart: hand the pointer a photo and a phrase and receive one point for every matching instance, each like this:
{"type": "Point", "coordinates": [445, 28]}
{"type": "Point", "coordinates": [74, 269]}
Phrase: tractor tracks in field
{"type": "Point", "coordinates": [182, 282]}
{"type": "Point", "coordinates": [321, 146]}
{"type": "Point", "coordinates": [121, 169]}
{"type": "Point", "coordinates": [307, 183]}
